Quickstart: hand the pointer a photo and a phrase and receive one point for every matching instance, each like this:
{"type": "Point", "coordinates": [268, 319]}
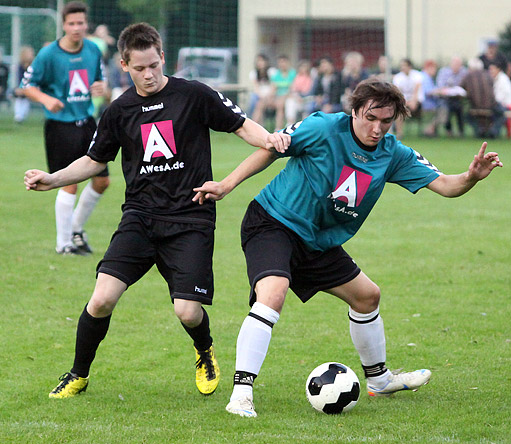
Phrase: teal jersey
{"type": "Point", "coordinates": [331, 183]}
{"type": "Point", "coordinates": [66, 76]}
{"type": "Point", "coordinates": [283, 83]}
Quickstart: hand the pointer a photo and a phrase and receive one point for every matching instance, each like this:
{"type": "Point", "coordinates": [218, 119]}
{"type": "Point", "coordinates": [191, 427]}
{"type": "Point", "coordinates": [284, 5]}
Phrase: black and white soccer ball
{"type": "Point", "coordinates": [332, 388]}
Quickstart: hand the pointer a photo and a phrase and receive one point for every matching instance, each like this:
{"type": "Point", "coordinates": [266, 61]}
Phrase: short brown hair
{"type": "Point", "coordinates": [382, 94]}
{"type": "Point", "coordinates": [72, 8]}
{"type": "Point", "coordinates": [140, 36]}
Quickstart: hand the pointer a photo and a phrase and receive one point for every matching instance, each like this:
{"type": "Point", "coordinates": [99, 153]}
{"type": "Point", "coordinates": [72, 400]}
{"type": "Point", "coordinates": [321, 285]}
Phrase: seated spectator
{"type": "Point", "coordinates": [431, 100]}
{"type": "Point", "coordinates": [383, 71]}
{"type": "Point", "coordinates": [352, 73]}
{"type": "Point", "coordinates": [501, 85]}
{"type": "Point", "coordinates": [409, 81]}
{"type": "Point", "coordinates": [493, 55]}
{"type": "Point", "coordinates": [448, 81]}
{"type": "Point", "coordinates": [261, 98]}
{"type": "Point", "coordinates": [281, 82]}
{"type": "Point", "coordinates": [485, 114]}
{"type": "Point", "coordinates": [326, 92]}
{"type": "Point", "coordinates": [300, 93]}
{"type": "Point", "coordinates": [21, 103]}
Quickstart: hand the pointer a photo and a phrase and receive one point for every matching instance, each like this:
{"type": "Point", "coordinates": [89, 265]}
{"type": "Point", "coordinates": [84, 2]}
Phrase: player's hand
{"type": "Point", "coordinates": [37, 180]}
{"type": "Point", "coordinates": [483, 164]}
{"type": "Point", "coordinates": [279, 141]}
{"type": "Point", "coordinates": [53, 104]}
{"type": "Point", "coordinates": [209, 190]}
{"type": "Point", "coordinates": [98, 88]}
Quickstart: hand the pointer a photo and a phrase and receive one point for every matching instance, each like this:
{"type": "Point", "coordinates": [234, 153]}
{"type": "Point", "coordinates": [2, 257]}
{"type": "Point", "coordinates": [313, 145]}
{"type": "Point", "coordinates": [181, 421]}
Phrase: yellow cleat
{"type": "Point", "coordinates": [70, 385]}
{"type": "Point", "coordinates": [207, 373]}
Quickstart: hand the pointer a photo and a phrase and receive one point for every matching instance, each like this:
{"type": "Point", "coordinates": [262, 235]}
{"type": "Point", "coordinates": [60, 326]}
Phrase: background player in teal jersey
{"type": "Point", "coordinates": [64, 77]}
{"type": "Point", "coordinates": [338, 168]}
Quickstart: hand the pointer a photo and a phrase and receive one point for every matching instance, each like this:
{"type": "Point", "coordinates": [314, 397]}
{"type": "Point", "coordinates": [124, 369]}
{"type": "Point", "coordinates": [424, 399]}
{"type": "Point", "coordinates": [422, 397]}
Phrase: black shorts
{"type": "Point", "coordinates": [183, 253]}
{"type": "Point", "coordinates": [272, 249]}
{"type": "Point", "coordinates": [67, 141]}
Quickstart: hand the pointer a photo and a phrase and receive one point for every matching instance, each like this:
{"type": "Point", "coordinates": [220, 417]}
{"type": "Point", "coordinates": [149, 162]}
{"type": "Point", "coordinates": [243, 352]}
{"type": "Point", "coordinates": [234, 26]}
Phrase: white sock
{"type": "Point", "coordinates": [368, 336]}
{"type": "Point", "coordinates": [64, 204]}
{"type": "Point", "coordinates": [252, 345]}
{"type": "Point", "coordinates": [86, 204]}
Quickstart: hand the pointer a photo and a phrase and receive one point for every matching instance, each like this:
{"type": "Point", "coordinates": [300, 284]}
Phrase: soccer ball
{"type": "Point", "coordinates": [332, 388]}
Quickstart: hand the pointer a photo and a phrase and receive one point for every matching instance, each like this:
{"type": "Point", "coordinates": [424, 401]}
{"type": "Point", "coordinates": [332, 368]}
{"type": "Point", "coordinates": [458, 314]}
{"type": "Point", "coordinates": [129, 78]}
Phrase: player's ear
{"type": "Point", "coordinates": [124, 65]}
{"type": "Point", "coordinates": [162, 58]}
{"type": "Point", "coordinates": [353, 114]}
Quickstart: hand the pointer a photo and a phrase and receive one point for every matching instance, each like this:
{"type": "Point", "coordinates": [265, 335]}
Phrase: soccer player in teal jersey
{"type": "Point", "coordinates": [338, 168]}
{"type": "Point", "coordinates": [64, 77]}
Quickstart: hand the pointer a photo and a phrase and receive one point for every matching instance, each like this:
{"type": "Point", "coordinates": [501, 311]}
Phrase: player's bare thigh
{"type": "Point", "coordinates": [361, 293]}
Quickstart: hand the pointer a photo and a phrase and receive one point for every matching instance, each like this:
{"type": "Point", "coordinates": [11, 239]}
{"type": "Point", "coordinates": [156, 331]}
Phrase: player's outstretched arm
{"type": "Point", "coordinates": [454, 185]}
{"type": "Point", "coordinates": [254, 163]}
{"type": "Point", "coordinates": [255, 135]}
{"type": "Point", "coordinates": [78, 171]}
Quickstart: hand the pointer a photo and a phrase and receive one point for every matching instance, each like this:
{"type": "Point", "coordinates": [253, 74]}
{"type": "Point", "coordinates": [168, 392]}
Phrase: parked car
{"type": "Point", "coordinates": [212, 66]}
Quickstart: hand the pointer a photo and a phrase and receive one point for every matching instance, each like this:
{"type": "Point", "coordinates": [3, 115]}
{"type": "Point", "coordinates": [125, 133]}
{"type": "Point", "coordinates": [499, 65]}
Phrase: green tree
{"type": "Point", "coordinates": [505, 41]}
{"type": "Point", "coordinates": [154, 12]}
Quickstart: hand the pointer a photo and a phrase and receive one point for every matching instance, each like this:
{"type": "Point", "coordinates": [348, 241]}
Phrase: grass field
{"type": "Point", "coordinates": [444, 267]}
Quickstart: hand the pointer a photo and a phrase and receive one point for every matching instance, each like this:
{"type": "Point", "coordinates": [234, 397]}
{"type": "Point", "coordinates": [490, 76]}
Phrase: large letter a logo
{"type": "Point", "coordinates": [351, 187]}
{"type": "Point", "coordinates": [158, 140]}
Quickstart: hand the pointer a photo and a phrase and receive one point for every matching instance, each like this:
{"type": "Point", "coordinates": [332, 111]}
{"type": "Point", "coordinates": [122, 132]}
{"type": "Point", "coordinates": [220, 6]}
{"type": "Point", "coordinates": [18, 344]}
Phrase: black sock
{"type": "Point", "coordinates": [201, 336]}
{"type": "Point", "coordinates": [89, 333]}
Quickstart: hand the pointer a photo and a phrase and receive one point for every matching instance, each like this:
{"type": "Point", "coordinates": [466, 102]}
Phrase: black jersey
{"type": "Point", "coordinates": [166, 150]}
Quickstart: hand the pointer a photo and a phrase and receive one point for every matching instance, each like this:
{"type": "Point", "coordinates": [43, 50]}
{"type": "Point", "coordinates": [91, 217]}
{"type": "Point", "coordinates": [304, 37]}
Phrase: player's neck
{"type": "Point", "coordinates": [69, 45]}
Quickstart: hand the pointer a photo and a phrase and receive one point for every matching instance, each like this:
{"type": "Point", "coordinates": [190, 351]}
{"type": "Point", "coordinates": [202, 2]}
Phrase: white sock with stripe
{"type": "Point", "coordinates": [64, 205]}
{"type": "Point", "coordinates": [252, 346]}
{"type": "Point", "coordinates": [368, 336]}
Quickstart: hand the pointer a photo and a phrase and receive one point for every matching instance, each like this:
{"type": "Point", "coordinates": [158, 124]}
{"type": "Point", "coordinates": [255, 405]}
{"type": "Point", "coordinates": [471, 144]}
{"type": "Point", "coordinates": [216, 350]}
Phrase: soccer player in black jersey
{"type": "Point", "coordinates": [162, 125]}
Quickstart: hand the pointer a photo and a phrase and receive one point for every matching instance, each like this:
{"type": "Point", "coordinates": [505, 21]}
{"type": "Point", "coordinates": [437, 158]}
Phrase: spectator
{"type": "Point", "coordinates": [281, 82]}
{"type": "Point", "coordinates": [21, 103]}
{"type": "Point", "coordinates": [449, 81]}
{"type": "Point", "coordinates": [431, 100]}
{"type": "Point", "coordinates": [4, 77]}
{"type": "Point", "coordinates": [383, 71]}
{"type": "Point", "coordinates": [118, 80]}
{"type": "Point", "coordinates": [351, 74]}
{"type": "Point", "coordinates": [102, 38]}
{"type": "Point", "coordinates": [493, 55]}
{"type": "Point", "coordinates": [261, 98]}
{"type": "Point", "coordinates": [409, 82]}
{"type": "Point", "coordinates": [326, 92]}
{"type": "Point", "coordinates": [501, 85]}
{"type": "Point", "coordinates": [300, 93]}
{"type": "Point", "coordinates": [485, 115]}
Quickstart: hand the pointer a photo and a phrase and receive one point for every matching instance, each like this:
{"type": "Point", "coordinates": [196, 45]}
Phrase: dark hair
{"type": "Point", "coordinates": [72, 8]}
{"type": "Point", "coordinates": [407, 62]}
{"type": "Point", "coordinates": [382, 94]}
{"type": "Point", "coordinates": [262, 73]}
{"type": "Point", "coordinates": [139, 37]}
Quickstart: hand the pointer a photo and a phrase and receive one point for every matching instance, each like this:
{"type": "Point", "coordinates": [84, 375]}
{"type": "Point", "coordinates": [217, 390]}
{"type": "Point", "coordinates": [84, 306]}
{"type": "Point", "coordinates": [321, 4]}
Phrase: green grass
{"type": "Point", "coordinates": [443, 266]}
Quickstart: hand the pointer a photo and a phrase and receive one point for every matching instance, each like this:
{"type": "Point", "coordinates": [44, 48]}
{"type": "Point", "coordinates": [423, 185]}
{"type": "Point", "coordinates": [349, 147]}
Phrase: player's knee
{"type": "Point", "coordinates": [100, 184]}
{"type": "Point", "coordinates": [368, 300]}
{"type": "Point", "coordinates": [188, 312]}
{"type": "Point", "coordinates": [100, 305]}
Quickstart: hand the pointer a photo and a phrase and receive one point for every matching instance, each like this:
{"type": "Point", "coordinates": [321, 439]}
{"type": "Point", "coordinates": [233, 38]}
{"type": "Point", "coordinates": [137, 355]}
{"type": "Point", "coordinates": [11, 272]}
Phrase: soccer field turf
{"type": "Point", "coordinates": [443, 266]}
